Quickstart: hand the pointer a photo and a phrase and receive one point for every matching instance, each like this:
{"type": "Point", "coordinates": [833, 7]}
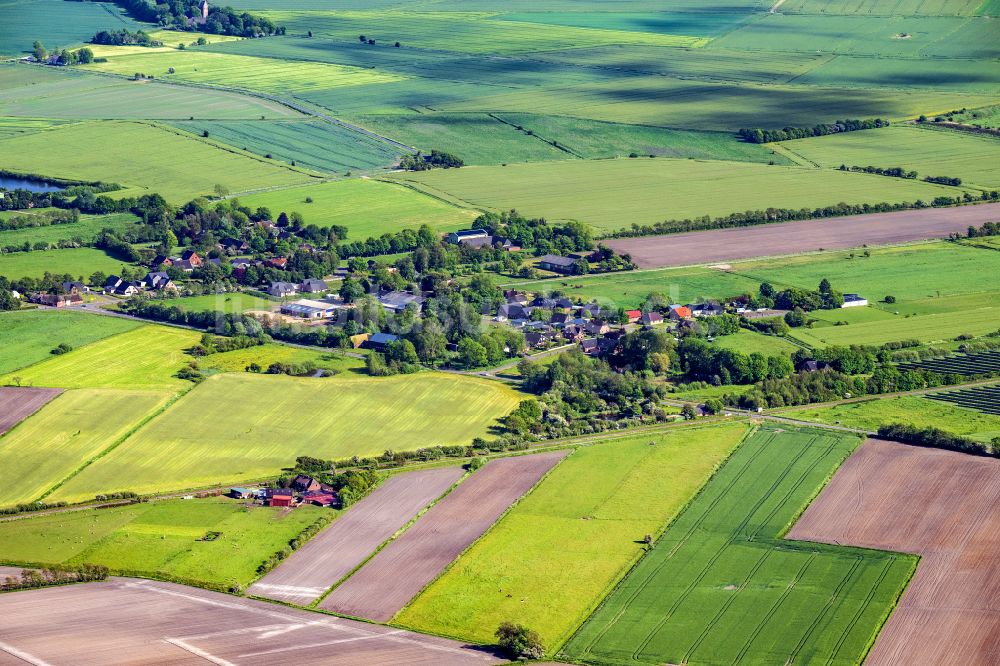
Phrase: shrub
{"type": "Point", "coordinates": [519, 642]}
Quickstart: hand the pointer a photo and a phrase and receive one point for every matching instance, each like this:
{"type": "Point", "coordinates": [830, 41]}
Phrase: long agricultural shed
{"type": "Point", "coordinates": [831, 233]}
{"type": "Point", "coordinates": [339, 549]}
{"type": "Point", "coordinates": [382, 587]}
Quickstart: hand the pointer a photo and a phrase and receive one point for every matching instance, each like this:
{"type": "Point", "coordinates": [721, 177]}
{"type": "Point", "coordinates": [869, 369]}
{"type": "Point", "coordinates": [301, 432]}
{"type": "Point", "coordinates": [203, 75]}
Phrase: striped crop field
{"type": "Point", "coordinates": [721, 586]}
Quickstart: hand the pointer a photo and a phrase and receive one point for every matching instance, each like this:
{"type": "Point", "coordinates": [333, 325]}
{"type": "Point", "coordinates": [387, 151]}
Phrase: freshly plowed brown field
{"type": "Point", "coordinates": [390, 579]}
{"type": "Point", "coordinates": [17, 404]}
{"type": "Point", "coordinates": [832, 233]}
{"type": "Point", "coordinates": [944, 506]}
{"type": "Point", "coordinates": [126, 621]}
{"type": "Point", "coordinates": [337, 550]}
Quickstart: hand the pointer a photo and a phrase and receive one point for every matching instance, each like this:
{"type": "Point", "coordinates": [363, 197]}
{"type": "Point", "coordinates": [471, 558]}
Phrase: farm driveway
{"type": "Point", "coordinates": [397, 574]}
{"type": "Point", "coordinates": [942, 505]}
{"type": "Point", "coordinates": [832, 233]}
{"type": "Point", "coordinates": [148, 622]}
{"type": "Point", "coordinates": [348, 541]}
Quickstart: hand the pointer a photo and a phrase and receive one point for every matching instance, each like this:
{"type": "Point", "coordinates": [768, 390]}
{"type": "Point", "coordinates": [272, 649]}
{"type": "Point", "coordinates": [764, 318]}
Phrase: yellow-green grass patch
{"type": "Point", "coordinates": [264, 355]}
{"type": "Point", "coordinates": [366, 207]}
{"type": "Point", "coordinates": [63, 92]}
{"type": "Point", "coordinates": [929, 328]}
{"type": "Point", "coordinates": [929, 151]}
{"type": "Point", "coordinates": [162, 538]}
{"type": "Point", "coordinates": [29, 335]}
{"type": "Point", "coordinates": [749, 342]}
{"type": "Point", "coordinates": [548, 562]}
{"type": "Point", "coordinates": [64, 435]}
{"type": "Point", "coordinates": [107, 151]}
{"type": "Point", "coordinates": [613, 194]}
{"type": "Point", "coordinates": [238, 427]}
{"type": "Point", "coordinates": [916, 411]}
{"type": "Point", "coordinates": [232, 303]}
{"type": "Point", "coordinates": [147, 358]}
{"type": "Point", "coordinates": [243, 72]}
{"type": "Point", "coordinates": [80, 261]}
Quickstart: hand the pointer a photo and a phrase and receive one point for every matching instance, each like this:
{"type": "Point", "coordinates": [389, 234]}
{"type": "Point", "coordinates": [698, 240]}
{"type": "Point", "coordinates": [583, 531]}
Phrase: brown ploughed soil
{"type": "Point", "coordinates": [397, 574]}
{"type": "Point", "coordinates": [124, 621]}
{"type": "Point", "coordinates": [944, 506]}
{"type": "Point", "coordinates": [17, 404]}
{"type": "Point", "coordinates": [341, 547]}
{"type": "Point", "coordinates": [832, 233]}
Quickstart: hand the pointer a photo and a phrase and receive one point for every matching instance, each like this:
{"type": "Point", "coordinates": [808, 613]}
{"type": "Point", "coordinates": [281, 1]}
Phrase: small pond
{"type": "Point", "coordinates": [30, 184]}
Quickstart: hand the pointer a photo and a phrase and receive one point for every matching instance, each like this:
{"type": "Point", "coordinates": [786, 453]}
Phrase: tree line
{"type": "Point", "coordinates": [938, 439]}
{"type": "Point", "coordinates": [758, 135]}
{"type": "Point", "coordinates": [176, 15]}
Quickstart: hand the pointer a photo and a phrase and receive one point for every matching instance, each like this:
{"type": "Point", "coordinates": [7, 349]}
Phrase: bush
{"type": "Point", "coordinates": [519, 642]}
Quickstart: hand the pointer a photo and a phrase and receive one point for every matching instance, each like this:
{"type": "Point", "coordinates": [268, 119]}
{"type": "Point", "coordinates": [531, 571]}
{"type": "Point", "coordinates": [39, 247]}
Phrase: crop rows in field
{"type": "Point", "coordinates": [960, 364]}
{"type": "Point", "coordinates": [722, 587]}
{"type": "Point", "coordinates": [984, 399]}
{"type": "Point", "coordinates": [314, 144]}
{"type": "Point", "coordinates": [883, 7]}
{"type": "Point", "coordinates": [56, 23]}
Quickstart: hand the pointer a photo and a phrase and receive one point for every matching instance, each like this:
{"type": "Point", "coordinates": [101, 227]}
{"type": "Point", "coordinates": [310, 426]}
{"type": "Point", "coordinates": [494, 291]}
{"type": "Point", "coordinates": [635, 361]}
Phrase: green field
{"type": "Point", "coordinates": [56, 23]}
{"type": "Point", "coordinates": [928, 151]}
{"type": "Point", "coordinates": [987, 117]}
{"type": "Point", "coordinates": [315, 144]}
{"type": "Point", "coordinates": [251, 426]}
{"type": "Point", "coordinates": [930, 328]}
{"type": "Point", "coordinates": [40, 92]}
{"type": "Point", "coordinates": [669, 23]}
{"type": "Point", "coordinates": [265, 355]}
{"type": "Point", "coordinates": [242, 72]}
{"type": "Point", "coordinates": [366, 207]}
{"type": "Point", "coordinates": [64, 435]}
{"type": "Point", "coordinates": [547, 563]}
{"type": "Point", "coordinates": [912, 410]}
{"type": "Point", "coordinates": [85, 230]}
{"type": "Point", "coordinates": [107, 151]}
{"type": "Point", "coordinates": [482, 139]}
{"type": "Point", "coordinates": [144, 358]}
{"type": "Point", "coordinates": [230, 303]}
{"type": "Point", "coordinates": [161, 538]}
{"type": "Point", "coordinates": [613, 194]}
{"type": "Point", "coordinates": [721, 586]}
{"type": "Point", "coordinates": [885, 7]}
{"type": "Point", "coordinates": [29, 335]}
{"type": "Point", "coordinates": [78, 262]}
{"type": "Point", "coordinates": [749, 342]}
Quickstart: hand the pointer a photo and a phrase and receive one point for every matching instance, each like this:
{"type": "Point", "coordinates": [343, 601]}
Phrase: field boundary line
{"type": "Point", "coordinates": [118, 442]}
{"type": "Point", "coordinates": [395, 535]}
{"type": "Point", "coordinates": [750, 432]}
{"type": "Point", "coordinates": [25, 419]}
{"type": "Point", "coordinates": [503, 515]}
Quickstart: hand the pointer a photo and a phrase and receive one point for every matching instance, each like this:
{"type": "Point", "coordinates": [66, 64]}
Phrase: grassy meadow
{"type": "Point", "coordinates": [29, 335]}
{"type": "Point", "coordinates": [165, 538]}
{"type": "Point", "coordinates": [547, 562]}
{"type": "Point", "coordinates": [265, 355]}
{"type": "Point", "coordinates": [749, 342]}
{"type": "Point", "coordinates": [78, 262]}
{"type": "Point", "coordinates": [234, 428]}
{"type": "Point", "coordinates": [928, 151]}
{"type": "Point", "coordinates": [229, 303]}
{"type": "Point", "coordinates": [60, 92]}
{"type": "Point", "coordinates": [612, 194]}
{"type": "Point", "coordinates": [85, 230]}
{"type": "Point", "coordinates": [912, 410]}
{"type": "Point", "coordinates": [65, 435]}
{"type": "Point", "coordinates": [722, 586]}
{"type": "Point", "coordinates": [107, 151]}
{"type": "Point", "coordinates": [143, 358]}
{"type": "Point", "coordinates": [366, 207]}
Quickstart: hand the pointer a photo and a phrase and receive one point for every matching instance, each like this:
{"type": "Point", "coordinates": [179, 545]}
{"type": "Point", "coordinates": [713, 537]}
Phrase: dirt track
{"type": "Point", "coordinates": [393, 577]}
{"type": "Point", "coordinates": [832, 233]}
{"type": "Point", "coordinates": [17, 404]}
{"type": "Point", "coordinates": [126, 621]}
{"type": "Point", "coordinates": [337, 550]}
{"type": "Point", "coordinates": [944, 506]}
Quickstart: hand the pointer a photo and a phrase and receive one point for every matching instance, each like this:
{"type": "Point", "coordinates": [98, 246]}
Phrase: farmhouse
{"type": "Point", "coordinates": [398, 300]}
{"type": "Point", "coordinates": [75, 288]}
{"type": "Point", "coordinates": [651, 318]}
{"type": "Point", "coordinates": [512, 311]}
{"type": "Point", "coordinates": [633, 315]}
{"type": "Point", "coordinates": [277, 262]}
{"type": "Point", "coordinates": [158, 281]}
{"type": "Point", "coordinates": [854, 301]}
{"type": "Point", "coordinates": [679, 312]}
{"type": "Point", "coordinates": [304, 484]}
{"type": "Point", "coordinates": [557, 264]}
{"type": "Point", "coordinates": [464, 237]}
{"type": "Point", "coordinates": [283, 289]}
{"type": "Point", "coordinates": [56, 300]}
{"type": "Point", "coordinates": [279, 497]}
{"type": "Point", "coordinates": [320, 497]}
{"type": "Point", "coordinates": [313, 286]}
{"type": "Point", "coordinates": [309, 309]}
{"type": "Point", "coordinates": [705, 309]}
{"type": "Point", "coordinates": [380, 341]}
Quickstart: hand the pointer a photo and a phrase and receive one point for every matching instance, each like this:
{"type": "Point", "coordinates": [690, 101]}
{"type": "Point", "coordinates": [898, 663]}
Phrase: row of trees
{"type": "Point", "coordinates": [938, 439]}
{"type": "Point", "coordinates": [54, 575]}
{"type": "Point", "coordinates": [176, 14]}
{"type": "Point", "coordinates": [437, 159]}
{"type": "Point", "coordinates": [758, 135]}
{"type": "Point", "coordinates": [124, 37]}
{"type": "Point", "coordinates": [895, 172]}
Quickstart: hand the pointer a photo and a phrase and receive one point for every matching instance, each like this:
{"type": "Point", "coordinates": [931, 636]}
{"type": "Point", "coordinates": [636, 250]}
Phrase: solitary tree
{"type": "Point", "coordinates": [39, 51]}
{"type": "Point", "coordinates": [519, 642]}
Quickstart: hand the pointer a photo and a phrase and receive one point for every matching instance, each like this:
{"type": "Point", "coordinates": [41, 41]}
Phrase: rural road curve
{"type": "Point", "coordinates": [783, 238]}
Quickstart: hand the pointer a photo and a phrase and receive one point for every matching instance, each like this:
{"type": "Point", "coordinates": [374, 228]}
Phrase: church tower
{"type": "Point", "coordinates": [204, 10]}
